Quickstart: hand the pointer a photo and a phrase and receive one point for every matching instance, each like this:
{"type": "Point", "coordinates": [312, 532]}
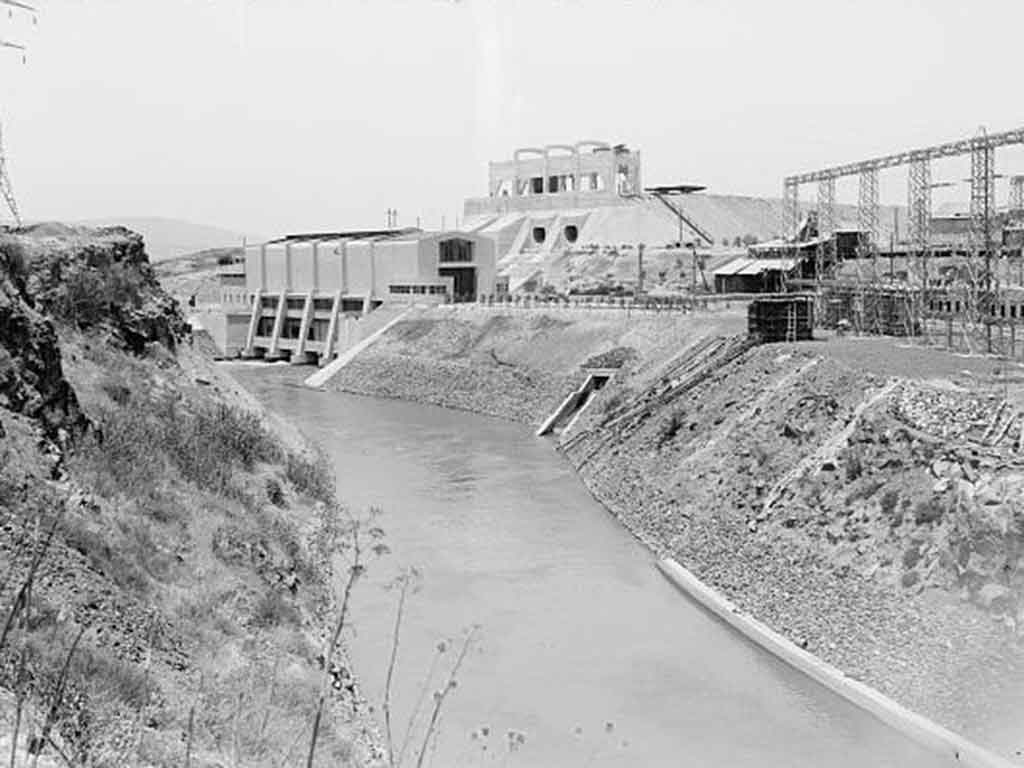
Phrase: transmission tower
{"type": "Point", "coordinates": [1016, 194]}
{"type": "Point", "coordinates": [6, 189]}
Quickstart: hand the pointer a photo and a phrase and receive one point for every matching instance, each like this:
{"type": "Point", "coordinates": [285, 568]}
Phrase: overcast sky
{"type": "Point", "coordinates": [275, 115]}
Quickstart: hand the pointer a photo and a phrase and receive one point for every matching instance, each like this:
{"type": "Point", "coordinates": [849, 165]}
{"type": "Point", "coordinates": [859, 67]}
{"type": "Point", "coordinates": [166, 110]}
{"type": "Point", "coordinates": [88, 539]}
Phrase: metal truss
{"type": "Point", "coordinates": [6, 190]}
{"type": "Point", "coordinates": [951, 149]}
{"type": "Point", "coordinates": [867, 209]}
{"type": "Point", "coordinates": [1016, 194]}
{"type": "Point", "coordinates": [826, 207]}
{"type": "Point", "coordinates": [919, 203]}
{"type": "Point", "coordinates": [790, 209]}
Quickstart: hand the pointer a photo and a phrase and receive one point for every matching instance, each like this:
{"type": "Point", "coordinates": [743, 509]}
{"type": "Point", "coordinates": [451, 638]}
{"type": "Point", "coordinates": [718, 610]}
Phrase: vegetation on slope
{"type": "Point", "coordinates": [167, 558]}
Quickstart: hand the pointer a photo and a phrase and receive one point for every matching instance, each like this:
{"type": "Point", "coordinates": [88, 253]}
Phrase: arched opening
{"type": "Point", "coordinates": [571, 233]}
{"type": "Point", "coordinates": [539, 235]}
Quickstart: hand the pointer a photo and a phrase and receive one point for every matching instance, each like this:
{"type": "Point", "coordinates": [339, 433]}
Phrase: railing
{"type": "Point", "coordinates": [626, 303]}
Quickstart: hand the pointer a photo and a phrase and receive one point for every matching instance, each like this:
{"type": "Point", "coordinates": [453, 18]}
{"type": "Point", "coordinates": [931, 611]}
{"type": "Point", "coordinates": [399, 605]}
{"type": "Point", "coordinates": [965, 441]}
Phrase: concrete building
{"type": "Point", "coordinates": [549, 204]}
{"type": "Point", "coordinates": [586, 174]}
{"type": "Point", "coordinates": [305, 295]}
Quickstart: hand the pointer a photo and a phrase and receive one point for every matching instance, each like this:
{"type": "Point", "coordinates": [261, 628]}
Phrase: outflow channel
{"type": "Point", "coordinates": [583, 646]}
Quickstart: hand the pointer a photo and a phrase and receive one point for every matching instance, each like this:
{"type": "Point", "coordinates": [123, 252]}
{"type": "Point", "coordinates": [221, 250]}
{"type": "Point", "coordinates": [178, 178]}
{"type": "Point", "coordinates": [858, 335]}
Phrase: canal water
{"type": "Point", "coordinates": [582, 645]}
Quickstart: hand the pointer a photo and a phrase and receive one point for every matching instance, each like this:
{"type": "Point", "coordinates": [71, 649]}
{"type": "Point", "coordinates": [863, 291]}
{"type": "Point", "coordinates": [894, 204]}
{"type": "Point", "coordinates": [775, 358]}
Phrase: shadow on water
{"type": "Point", "coordinates": [584, 646]}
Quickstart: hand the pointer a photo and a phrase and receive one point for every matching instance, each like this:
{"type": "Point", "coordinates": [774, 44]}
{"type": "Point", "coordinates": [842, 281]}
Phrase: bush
{"type": "Point", "coordinates": [136, 441]}
{"type": "Point", "coordinates": [88, 294]}
{"type": "Point", "coordinates": [670, 427]}
{"type": "Point", "coordinates": [273, 610]}
{"type": "Point", "coordinates": [313, 477]}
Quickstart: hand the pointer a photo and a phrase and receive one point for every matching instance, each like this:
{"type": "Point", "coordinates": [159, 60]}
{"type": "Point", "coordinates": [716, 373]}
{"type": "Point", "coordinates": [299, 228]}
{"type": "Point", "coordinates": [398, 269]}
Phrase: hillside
{"type": "Point", "coordinates": [169, 238]}
{"type": "Point", "coordinates": [167, 548]}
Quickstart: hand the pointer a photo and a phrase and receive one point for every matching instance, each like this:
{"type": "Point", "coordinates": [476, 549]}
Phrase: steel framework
{"type": "Point", "coordinates": [790, 208]}
{"type": "Point", "coordinates": [6, 188]}
{"type": "Point", "coordinates": [826, 207]}
{"type": "Point", "coordinates": [1016, 193]}
{"type": "Point", "coordinates": [950, 149]}
{"type": "Point", "coordinates": [919, 203]}
{"type": "Point", "coordinates": [980, 283]}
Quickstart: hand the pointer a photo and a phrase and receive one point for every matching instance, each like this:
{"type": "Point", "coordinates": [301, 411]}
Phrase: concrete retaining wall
{"type": "Point", "coordinates": [913, 725]}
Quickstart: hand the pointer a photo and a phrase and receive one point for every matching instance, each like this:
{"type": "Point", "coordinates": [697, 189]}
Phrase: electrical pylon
{"type": "Point", "coordinates": [6, 188]}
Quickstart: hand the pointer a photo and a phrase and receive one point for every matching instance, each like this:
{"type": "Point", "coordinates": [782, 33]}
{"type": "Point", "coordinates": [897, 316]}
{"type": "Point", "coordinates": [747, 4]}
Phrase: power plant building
{"type": "Point", "coordinates": [302, 290]}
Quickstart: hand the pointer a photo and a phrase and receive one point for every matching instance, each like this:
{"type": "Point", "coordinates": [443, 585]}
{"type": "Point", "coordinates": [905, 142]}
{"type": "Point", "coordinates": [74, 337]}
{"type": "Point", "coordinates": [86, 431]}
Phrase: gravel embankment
{"type": "Point", "coordinates": [827, 566]}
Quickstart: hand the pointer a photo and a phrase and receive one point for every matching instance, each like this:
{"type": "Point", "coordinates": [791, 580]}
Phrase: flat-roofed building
{"type": "Point", "coordinates": [303, 290]}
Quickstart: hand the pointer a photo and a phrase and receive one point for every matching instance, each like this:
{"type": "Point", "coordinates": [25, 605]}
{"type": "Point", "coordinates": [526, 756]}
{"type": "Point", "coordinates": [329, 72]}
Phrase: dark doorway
{"type": "Point", "coordinates": [464, 287]}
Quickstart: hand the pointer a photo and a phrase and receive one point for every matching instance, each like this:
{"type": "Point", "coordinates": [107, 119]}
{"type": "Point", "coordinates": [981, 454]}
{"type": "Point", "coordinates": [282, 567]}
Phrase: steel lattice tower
{"type": "Point", "coordinates": [919, 207]}
{"type": "Point", "coordinates": [6, 188]}
{"type": "Point", "coordinates": [826, 220]}
{"type": "Point", "coordinates": [1016, 194]}
{"type": "Point", "coordinates": [790, 209]}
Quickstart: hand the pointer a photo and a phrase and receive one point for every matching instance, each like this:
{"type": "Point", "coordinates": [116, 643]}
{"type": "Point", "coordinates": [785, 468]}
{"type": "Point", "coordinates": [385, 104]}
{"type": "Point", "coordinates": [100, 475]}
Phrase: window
{"type": "Point", "coordinates": [539, 235]}
{"type": "Point", "coordinates": [398, 289]}
{"type": "Point", "coordinates": [537, 185]}
{"type": "Point", "coordinates": [455, 249]}
{"type": "Point", "coordinates": [571, 233]}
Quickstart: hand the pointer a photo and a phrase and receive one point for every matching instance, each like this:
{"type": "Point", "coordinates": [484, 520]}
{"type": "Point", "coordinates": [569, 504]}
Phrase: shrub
{"type": "Point", "coordinates": [311, 476]}
{"type": "Point", "coordinates": [136, 441]}
{"type": "Point", "coordinates": [273, 610]}
{"type": "Point", "coordinates": [929, 510]}
{"type": "Point", "coordinates": [87, 294]}
{"type": "Point", "coordinates": [670, 427]}
{"type": "Point", "coordinates": [888, 502]}
{"type": "Point", "coordinates": [275, 494]}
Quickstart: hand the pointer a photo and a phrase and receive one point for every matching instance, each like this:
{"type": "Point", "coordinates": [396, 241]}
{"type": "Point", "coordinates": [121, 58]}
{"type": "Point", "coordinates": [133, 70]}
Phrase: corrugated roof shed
{"type": "Point", "coordinates": [746, 266]}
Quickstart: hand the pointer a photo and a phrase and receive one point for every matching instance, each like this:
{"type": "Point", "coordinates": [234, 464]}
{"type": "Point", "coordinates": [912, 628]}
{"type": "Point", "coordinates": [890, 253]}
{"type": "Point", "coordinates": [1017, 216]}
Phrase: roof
{"type": "Point", "coordinates": [352, 234]}
{"type": "Point", "coordinates": [745, 266]}
{"type": "Point", "coordinates": [678, 189]}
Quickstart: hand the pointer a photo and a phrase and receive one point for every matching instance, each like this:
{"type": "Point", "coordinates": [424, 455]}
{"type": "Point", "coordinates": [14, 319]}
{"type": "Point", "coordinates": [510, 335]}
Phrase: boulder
{"type": "Point", "coordinates": [994, 597]}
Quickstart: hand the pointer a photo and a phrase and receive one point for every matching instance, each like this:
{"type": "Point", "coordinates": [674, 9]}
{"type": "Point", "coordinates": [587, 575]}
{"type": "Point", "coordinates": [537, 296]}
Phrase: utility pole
{"type": "Point", "coordinates": [639, 271]}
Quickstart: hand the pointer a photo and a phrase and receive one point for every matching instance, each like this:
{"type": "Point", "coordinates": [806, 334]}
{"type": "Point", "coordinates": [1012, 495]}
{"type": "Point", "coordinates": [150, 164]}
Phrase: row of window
{"type": "Point", "coordinates": [433, 290]}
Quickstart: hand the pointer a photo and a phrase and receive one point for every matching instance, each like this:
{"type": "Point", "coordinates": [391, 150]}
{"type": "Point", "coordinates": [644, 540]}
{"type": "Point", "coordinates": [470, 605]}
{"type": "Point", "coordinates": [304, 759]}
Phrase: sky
{"type": "Point", "coordinates": [268, 116]}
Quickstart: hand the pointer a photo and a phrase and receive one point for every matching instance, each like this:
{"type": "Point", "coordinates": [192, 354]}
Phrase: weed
{"type": "Point", "coordinates": [929, 510]}
{"type": "Point", "coordinates": [670, 427]}
{"type": "Point", "coordinates": [274, 610]}
{"type": "Point", "coordinates": [888, 502]}
{"type": "Point", "coordinates": [275, 495]}
{"type": "Point", "coordinates": [313, 477]}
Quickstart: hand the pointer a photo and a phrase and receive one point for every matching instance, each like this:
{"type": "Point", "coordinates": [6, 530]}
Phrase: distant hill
{"type": "Point", "coordinates": [170, 238]}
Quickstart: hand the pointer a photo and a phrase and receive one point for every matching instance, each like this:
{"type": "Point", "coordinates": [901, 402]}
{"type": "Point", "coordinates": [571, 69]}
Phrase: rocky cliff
{"type": "Point", "coordinates": [165, 550]}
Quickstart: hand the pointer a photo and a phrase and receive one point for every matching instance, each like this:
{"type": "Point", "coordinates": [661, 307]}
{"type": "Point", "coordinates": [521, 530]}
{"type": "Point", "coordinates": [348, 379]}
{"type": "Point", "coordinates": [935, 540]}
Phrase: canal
{"type": "Point", "coordinates": [582, 644]}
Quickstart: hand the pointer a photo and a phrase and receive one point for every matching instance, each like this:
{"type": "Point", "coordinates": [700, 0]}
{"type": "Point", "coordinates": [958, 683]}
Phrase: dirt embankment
{"type": "Point", "coordinates": [514, 364]}
{"type": "Point", "coordinates": [183, 541]}
{"type": "Point", "coordinates": [875, 520]}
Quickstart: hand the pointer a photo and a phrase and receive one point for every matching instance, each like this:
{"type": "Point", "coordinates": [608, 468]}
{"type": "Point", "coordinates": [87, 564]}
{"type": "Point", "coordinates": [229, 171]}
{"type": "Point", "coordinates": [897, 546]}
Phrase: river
{"type": "Point", "coordinates": [582, 645]}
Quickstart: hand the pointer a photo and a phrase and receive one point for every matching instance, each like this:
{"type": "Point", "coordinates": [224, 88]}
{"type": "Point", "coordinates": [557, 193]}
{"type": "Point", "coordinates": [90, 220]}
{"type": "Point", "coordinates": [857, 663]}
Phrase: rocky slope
{"type": "Point", "coordinates": [514, 364]}
{"type": "Point", "coordinates": [875, 520]}
{"type": "Point", "coordinates": [166, 552]}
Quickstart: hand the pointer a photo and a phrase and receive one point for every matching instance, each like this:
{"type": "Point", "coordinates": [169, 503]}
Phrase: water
{"type": "Point", "coordinates": [577, 628]}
